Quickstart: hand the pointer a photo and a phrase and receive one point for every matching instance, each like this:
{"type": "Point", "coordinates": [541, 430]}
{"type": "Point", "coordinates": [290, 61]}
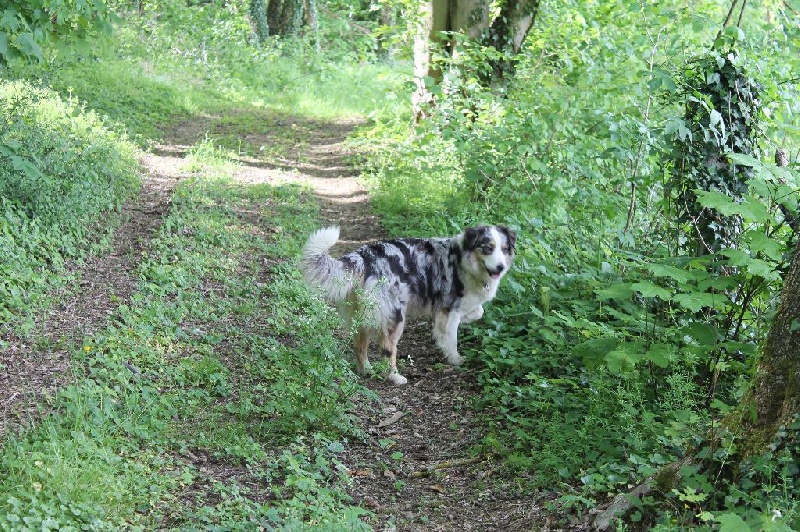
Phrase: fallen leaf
{"type": "Point", "coordinates": [389, 474]}
{"type": "Point", "coordinates": [394, 418]}
{"type": "Point", "coordinates": [369, 502]}
{"type": "Point", "coordinates": [437, 488]}
{"type": "Point", "coordinates": [364, 473]}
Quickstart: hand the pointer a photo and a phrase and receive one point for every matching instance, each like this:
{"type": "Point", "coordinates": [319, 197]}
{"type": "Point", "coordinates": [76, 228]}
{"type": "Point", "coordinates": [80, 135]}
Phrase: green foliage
{"type": "Point", "coordinates": [610, 350]}
{"type": "Point", "coordinates": [26, 25]}
{"type": "Point", "coordinates": [63, 171]}
{"type": "Point", "coordinates": [169, 62]}
{"type": "Point", "coordinates": [722, 112]}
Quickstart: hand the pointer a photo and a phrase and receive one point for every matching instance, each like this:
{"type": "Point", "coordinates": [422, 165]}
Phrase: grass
{"type": "Point", "coordinates": [64, 175]}
{"type": "Point", "coordinates": [212, 358]}
{"type": "Point", "coordinates": [172, 63]}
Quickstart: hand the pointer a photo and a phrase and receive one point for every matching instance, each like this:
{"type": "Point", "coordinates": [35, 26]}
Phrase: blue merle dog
{"type": "Point", "coordinates": [379, 284]}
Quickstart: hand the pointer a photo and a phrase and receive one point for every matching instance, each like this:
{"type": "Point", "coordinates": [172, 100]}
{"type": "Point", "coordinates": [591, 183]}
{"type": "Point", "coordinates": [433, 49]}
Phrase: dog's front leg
{"type": "Point", "coordinates": [472, 315]}
{"type": "Point", "coordinates": [445, 332]}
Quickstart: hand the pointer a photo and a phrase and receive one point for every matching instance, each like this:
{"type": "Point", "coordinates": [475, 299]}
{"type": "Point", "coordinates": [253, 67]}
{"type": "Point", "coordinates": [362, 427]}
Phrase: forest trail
{"type": "Point", "coordinates": [414, 469]}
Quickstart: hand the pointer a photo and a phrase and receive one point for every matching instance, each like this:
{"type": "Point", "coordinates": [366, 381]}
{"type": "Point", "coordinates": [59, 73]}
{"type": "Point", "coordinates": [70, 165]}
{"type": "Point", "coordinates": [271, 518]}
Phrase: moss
{"type": "Point", "coordinates": [667, 479]}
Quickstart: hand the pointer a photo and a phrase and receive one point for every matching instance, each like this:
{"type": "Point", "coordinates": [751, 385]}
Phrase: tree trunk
{"type": "Point", "coordinates": [258, 17]}
{"type": "Point", "coordinates": [507, 33]}
{"type": "Point", "coordinates": [774, 397]}
{"type": "Point", "coordinates": [284, 16]}
{"type": "Point", "coordinates": [422, 98]}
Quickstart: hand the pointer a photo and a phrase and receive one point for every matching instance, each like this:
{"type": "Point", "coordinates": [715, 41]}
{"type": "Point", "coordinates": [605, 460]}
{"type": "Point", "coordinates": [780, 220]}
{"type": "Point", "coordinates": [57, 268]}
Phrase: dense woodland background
{"type": "Point", "coordinates": [647, 153]}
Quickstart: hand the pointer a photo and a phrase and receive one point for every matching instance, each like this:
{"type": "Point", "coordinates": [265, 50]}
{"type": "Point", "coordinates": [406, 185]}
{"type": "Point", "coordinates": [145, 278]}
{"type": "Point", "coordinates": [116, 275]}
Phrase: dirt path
{"type": "Point", "coordinates": [414, 470]}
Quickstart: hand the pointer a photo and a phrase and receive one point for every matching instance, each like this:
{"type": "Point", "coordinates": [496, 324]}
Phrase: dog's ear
{"type": "Point", "coordinates": [471, 237]}
{"type": "Point", "coordinates": [510, 235]}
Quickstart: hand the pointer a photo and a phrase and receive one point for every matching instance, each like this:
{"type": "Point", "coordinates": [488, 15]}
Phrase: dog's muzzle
{"type": "Point", "coordinates": [497, 272]}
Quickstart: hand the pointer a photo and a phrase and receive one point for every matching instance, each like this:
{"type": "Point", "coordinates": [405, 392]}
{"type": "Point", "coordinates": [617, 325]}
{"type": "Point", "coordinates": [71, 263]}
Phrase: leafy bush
{"type": "Point", "coordinates": [62, 172]}
{"type": "Point", "coordinates": [28, 24]}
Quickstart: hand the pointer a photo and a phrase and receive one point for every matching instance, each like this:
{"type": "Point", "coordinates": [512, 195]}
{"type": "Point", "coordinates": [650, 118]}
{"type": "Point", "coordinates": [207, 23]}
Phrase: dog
{"type": "Point", "coordinates": [377, 286]}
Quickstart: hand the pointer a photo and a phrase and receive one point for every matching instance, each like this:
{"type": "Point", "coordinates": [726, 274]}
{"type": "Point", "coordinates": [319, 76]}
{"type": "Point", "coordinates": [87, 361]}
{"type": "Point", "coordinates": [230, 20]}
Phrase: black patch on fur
{"type": "Point", "coordinates": [349, 263]}
{"type": "Point", "coordinates": [397, 266]}
{"type": "Point", "coordinates": [510, 235]}
{"type": "Point", "coordinates": [455, 262]}
{"type": "Point", "coordinates": [426, 247]}
{"type": "Point", "coordinates": [405, 250]}
{"type": "Point", "coordinates": [398, 315]}
{"type": "Point", "coordinates": [385, 352]}
{"type": "Point", "coordinates": [472, 237]}
{"type": "Point", "coordinates": [369, 268]}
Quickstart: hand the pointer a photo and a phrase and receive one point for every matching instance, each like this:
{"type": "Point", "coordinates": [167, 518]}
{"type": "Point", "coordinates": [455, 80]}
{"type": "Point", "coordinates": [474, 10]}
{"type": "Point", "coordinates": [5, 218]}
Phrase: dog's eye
{"type": "Point", "coordinates": [505, 249]}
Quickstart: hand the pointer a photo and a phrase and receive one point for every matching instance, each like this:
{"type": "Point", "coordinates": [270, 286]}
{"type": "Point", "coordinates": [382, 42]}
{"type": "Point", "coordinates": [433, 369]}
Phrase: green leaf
{"type": "Point", "coordinates": [732, 523]}
{"type": "Point", "coordinates": [28, 46]}
{"type": "Point", "coordinates": [763, 269]}
{"type": "Point", "coordinates": [714, 118]}
{"type": "Point", "coordinates": [744, 160]}
{"type": "Point", "coordinates": [594, 351]}
{"type": "Point", "coordinates": [648, 289]}
{"type": "Point", "coordinates": [749, 209]}
{"type": "Point", "coordinates": [660, 354]}
{"type": "Point", "coordinates": [761, 243]}
{"type": "Point", "coordinates": [336, 447]}
{"type": "Point", "coordinates": [677, 274]}
{"type": "Point", "coordinates": [735, 32]}
{"type": "Point", "coordinates": [3, 44]}
{"type": "Point", "coordinates": [714, 199]}
{"type": "Point", "coordinates": [754, 210]}
{"type": "Point", "coordinates": [736, 257]}
{"type": "Point", "coordinates": [695, 301]}
{"type": "Point", "coordinates": [624, 357]}
{"type": "Point", "coordinates": [617, 291]}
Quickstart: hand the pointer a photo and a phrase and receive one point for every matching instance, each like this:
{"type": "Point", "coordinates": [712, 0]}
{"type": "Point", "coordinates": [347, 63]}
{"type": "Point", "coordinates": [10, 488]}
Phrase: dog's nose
{"type": "Point", "coordinates": [500, 268]}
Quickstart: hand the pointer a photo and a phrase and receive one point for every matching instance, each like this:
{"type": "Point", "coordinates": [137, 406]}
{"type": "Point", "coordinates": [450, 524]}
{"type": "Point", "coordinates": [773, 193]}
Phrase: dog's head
{"type": "Point", "coordinates": [489, 250]}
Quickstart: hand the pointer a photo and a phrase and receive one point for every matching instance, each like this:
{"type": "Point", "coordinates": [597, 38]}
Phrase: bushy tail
{"type": "Point", "coordinates": [322, 270]}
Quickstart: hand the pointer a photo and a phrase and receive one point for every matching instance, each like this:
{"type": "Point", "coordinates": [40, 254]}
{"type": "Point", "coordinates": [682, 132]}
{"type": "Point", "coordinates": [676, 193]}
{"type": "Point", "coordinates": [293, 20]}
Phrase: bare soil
{"type": "Point", "coordinates": [415, 469]}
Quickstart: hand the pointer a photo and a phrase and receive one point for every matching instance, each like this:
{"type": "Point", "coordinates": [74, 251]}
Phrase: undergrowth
{"type": "Point", "coordinates": [166, 62]}
{"type": "Point", "coordinates": [610, 351]}
{"type": "Point", "coordinates": [64, 175]}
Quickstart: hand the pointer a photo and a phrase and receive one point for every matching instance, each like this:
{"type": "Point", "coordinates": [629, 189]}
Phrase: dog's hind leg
{"type": "Point", "coordinates": [361, 346]}
{"type": "Point", "coordinates": [389, 341]}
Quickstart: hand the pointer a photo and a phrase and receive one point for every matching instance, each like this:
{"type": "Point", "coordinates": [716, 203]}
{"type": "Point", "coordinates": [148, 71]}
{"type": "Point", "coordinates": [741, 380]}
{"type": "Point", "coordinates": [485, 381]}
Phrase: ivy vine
{"type": "Point", "coordinates": [721, 117]}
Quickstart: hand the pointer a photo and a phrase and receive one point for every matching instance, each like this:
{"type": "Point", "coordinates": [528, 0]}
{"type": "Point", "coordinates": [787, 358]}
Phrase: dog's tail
{"type": "Point", "coordinates": [322, 270]}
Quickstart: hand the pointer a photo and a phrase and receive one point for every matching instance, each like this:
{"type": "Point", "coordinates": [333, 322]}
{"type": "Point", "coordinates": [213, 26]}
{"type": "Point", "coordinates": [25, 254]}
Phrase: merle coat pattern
{"type": "Point", "coordinates": [376, 286]}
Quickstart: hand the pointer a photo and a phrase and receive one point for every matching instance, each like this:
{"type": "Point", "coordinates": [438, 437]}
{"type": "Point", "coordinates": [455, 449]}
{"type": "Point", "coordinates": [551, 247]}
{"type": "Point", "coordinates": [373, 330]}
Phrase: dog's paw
{"type": "Point", "coordinates": [473, 315]}
{"type": "Point", "coordinates": [455, 360]}
{"type": "Point", "coordinates": [395, 378]}
{"type": "Point", "coordinates": [365, 369]}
